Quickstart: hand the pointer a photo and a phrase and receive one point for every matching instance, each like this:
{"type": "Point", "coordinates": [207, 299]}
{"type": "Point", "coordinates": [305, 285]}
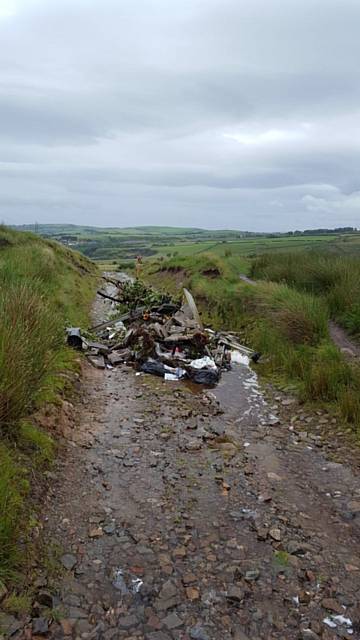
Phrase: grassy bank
{"type": "Point", "coordinates": [44, 287]}
{"type": "Point", "coordinates": [336, 279]}
{"type": "Point", "coordinates": [288, 325]}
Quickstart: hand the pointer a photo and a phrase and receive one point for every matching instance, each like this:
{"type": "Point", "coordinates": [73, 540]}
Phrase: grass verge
{"type": "Point", "coordinates": [289, 325]}
{"type": "Point", "coordinates": [334, 278]}
{"type": "Point", "coordinates": [45, 287]}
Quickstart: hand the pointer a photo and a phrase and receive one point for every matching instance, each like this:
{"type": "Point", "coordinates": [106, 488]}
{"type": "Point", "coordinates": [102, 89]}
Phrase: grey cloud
{"type": "Point", "coordinates": [233, 114]}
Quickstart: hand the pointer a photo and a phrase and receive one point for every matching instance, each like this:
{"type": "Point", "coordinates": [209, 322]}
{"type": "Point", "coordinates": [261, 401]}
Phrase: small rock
{"type": "Point", "coordinates": [154, 622]}
{"type": "Point", "coordinates": [235, 593]}
{"type": "Point", "coordinates": [83, 626]}
{"type": "Point", "coordinates": [298, 548]}
{"type": "Point", "coordinates": [110, 528]}
{"type": "Point", "coordinates": [274, 476]}
{"type": "Point", "coordinates": [275, 534]}
{"type": "Point", "coordinates": [95, 532]}
{"type": "Point", "coordinates": [354, 506]}
{"type": "Point", "coordinates": [192, 593]}
{"type": "Point", "coordinates": [163, 604]}
{"type": "Point", "coordinates": [127, 622]}
{"type": "Point", "coordinates": [68, 560]}
{"type": "Point", "coordinates": [40, 626]}
{"type": "Point", "coordinates": [157, 635]}
{"type": "Point", "coordinates": [97, 361]}
{"type": "Point", "coordinates": [76, 613]}
{"type": "Point", "coordinates": [169, 590]}
{"type": "Point", "coordinates": [72, 600]}
{"type": "Point", "coordinates": [189, 578]}
{"type": "Point", "coordinates": [307, 634]}
{"type": "Point", "coordinates": [252, 575]}
{"type": "Point", "coordinates": [265, 497]}
{"type": "Point", "coordinates": [67, 626]}
{"type": "Point", "coordinates": [172, 621]}
{"type": "Point", "coordinates": [198, 633]}
{"type": "Point", "coordinates": [193, 445]}
{"type": "Point", "coordinates": [332, 605]}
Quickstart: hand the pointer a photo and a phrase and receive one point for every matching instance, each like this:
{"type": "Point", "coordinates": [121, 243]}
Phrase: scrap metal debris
{"type": "Point", "coordinates": [159, 336]}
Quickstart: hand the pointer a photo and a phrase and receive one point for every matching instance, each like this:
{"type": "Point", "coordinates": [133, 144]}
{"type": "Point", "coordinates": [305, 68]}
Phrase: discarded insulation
{"type": "Point", "coordinates": [160, 337]}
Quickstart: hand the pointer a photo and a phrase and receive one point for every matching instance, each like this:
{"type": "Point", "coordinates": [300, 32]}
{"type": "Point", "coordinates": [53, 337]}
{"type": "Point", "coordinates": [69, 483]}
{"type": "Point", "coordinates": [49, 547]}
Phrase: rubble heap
{"type": "Point", "coordinates": [159, 336]}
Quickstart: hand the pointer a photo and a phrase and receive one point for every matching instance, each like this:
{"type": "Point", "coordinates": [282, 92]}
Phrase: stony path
{"type": "Point", "coordinates": [179, 516]}
{"type": "Point", "coordinates": [341, 339]}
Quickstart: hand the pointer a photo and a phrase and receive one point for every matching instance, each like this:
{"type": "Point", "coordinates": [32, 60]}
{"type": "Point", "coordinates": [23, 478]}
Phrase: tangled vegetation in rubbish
{"type": "Point", "coordinates": [137, 293]}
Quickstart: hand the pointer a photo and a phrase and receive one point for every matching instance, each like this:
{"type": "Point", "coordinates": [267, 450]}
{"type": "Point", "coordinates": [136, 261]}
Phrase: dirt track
{"type": "Point", "coordinates": [179, 516]}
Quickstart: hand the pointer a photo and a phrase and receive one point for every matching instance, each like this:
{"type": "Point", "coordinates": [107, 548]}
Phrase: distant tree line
{"type": "Point", "coordinates": [317, 232]}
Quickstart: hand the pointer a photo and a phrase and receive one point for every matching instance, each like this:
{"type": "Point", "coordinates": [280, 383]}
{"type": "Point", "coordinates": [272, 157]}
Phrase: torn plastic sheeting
{"type": "Point", "coordinates": [202, 363]}
{"type": "Point", "coordinates": [334, 621]}
{"type": "Point", "coordinates": [178, 375]}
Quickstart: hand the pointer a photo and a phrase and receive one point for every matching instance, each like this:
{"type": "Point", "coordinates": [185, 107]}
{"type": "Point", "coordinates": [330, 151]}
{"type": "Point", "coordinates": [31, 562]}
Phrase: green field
{"type": "Point", "coordinates": [110, 246]}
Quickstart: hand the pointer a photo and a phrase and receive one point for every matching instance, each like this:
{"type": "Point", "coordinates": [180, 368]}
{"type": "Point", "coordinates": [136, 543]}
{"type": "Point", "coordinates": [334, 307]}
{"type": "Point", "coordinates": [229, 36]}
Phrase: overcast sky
{"type": "Point", "coordinates": [240, 114]}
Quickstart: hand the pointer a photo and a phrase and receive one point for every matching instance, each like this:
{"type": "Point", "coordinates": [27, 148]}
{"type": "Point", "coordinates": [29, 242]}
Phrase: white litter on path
{"type": "Point", "coordinates": [239, 358]}
{"type": "Point", "coordinates": [339, 620]}
{"type": "Point", "coordinates": [201, 363]}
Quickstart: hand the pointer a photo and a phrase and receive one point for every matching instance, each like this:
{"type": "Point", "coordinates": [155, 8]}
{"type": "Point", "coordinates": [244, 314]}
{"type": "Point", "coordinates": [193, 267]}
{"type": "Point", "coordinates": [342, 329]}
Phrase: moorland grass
{"type": "Point", "coordinates": [287, 323]}
{"type": "Point", "coordinates": [44, 287]}
{"type": "Point", "coordinates": [334, 278]}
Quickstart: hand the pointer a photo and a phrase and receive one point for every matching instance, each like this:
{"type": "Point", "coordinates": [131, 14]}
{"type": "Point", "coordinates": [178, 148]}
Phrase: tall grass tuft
{"type": "Point", "coordinates": [30, 334]}
{"type": "Point", "coordinates": [299, 316]}
{"type": "Point", "coordinates": [335, 278]}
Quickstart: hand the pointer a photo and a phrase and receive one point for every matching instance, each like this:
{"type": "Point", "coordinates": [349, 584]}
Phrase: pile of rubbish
{"type": "Point", "coordinates": [161, 337]}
